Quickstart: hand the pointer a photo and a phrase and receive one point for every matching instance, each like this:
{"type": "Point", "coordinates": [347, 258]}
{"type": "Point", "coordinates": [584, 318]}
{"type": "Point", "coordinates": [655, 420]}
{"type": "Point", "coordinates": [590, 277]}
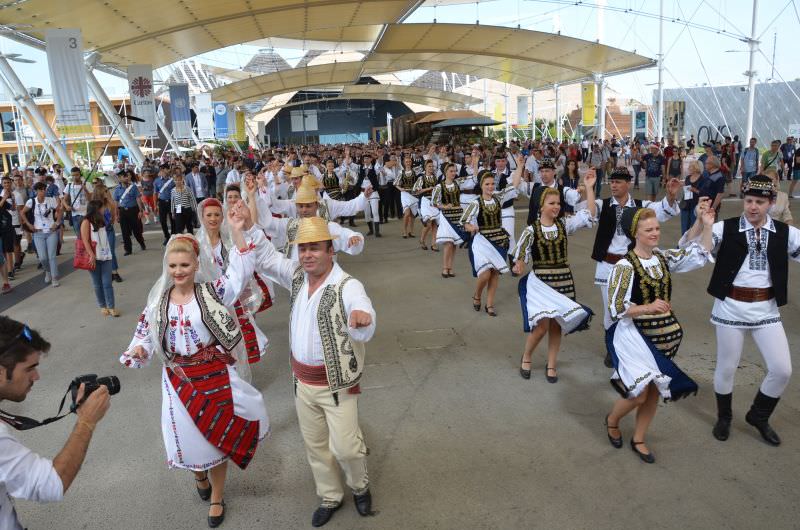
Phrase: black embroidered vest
{"type": "Point", "coordinates": [331, 183]}
{"type": "Point", "coordinates": [428, 181]}
{"type": "Point", "coordinates": [645, 288]}
{"type": "Point", "coordinates": [734, 250]}
{"type": "Point", "coordinates": [450, 197]}
{"type": "Point", "coordinates": [407, 179]}
{"type": "Point", "coordinates": [549, 253]}
{"type": "Point", "coordinates": [501, 186]}
{"type": "Point", "coordinates": [489, 218]}
{"type": "Point", "coordinates": [606, 226]}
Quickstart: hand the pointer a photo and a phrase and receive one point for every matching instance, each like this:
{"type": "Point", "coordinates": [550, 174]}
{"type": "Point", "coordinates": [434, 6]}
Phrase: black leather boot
{"type": "Point", "coordinates": [377, 227]}
{"type": "Point", "coordinates": [722, 429]}
{"type": "Point", "coordinates": [369, 224]}
{"type": "Point", "coordinates": [758, 417]}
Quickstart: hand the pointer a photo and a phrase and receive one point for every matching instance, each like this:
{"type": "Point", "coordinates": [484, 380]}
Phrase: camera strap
{"type": "Point", "coordinates": [22, 423]}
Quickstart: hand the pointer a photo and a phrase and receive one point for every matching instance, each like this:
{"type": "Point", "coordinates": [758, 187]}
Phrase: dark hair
{"type": "Point", "coordinates": [17, 341]}
{"type": "Point", "coordinates": [233, 187]}
{"type": "Point", "coordinates": [94, 214]}
{"type": "Point", "coordinates": [39, 186]}
{"type": "Point", "coordinates": [75, 169]}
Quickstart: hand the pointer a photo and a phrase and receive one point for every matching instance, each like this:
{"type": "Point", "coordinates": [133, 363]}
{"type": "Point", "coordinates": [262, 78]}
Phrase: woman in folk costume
{"type": "Point", "coordinates": [209, 413]}
{"type": "Point", "coordinates": [445, 198]}
{"type": "Point", "coordinates": [645, 334]}
{"type": "Point", "coordinates": [547, 293]}
{"type": "Point", "coordinates": [331, 181]}
{"type": "Point", "coordinates": [423, 188]}
{"type": "Point", "coordinates": [405, 183]}
{"type": "Point", "coordinates": [488, 249]}
{"type": "Point", "coordinates": [215, 243]}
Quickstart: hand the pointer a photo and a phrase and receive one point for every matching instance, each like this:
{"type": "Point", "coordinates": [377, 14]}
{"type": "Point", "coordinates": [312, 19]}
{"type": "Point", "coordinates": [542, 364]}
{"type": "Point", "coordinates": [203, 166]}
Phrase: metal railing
{"type": "Point", "coordinates": [98, 131]}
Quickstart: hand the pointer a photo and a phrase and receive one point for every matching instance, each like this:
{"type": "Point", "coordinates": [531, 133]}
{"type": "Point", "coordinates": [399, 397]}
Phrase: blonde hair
{"type": "Point", "coordinates": [546, 192]}
{"type": "Point", "coordinates": [643, 215]}
{"type": "Point", "coordinates": [696, 165]}
{"type": "Point", "coordinates": [185, 244]}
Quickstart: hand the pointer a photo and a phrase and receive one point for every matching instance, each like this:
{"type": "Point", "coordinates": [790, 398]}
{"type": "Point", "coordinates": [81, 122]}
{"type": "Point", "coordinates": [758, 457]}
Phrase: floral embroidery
{"type": "Point", "coordinates": [757, 249]}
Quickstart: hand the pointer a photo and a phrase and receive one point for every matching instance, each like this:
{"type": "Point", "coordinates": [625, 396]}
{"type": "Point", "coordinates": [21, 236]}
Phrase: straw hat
{"type": "Point", "coordinates": [307, 191]}
{"type": "Point", "coordinates": [299, 171]}
{"type": "Point", "coordinates": [312, 230]}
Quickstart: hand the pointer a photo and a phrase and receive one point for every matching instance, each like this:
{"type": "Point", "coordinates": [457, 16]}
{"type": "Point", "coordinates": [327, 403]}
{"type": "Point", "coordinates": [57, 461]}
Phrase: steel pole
{"type": "Point", "coordinates": [751, 74]}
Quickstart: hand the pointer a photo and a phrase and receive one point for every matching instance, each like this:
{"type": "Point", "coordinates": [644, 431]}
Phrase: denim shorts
{"type": "Point", "coordinates": [796, 174]}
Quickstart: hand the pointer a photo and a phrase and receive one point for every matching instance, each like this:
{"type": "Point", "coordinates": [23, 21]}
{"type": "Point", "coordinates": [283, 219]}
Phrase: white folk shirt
{"type": "Point", "coordinates": [753, 273]}
{"type": "Point", "coordinates": [23, 475]}
{"type": "Point", "coordinates": [233, 177]}
{"type": "Point", "coordinates": [619, 243]}
{"type": "Point", "coordinates": [306, 344]}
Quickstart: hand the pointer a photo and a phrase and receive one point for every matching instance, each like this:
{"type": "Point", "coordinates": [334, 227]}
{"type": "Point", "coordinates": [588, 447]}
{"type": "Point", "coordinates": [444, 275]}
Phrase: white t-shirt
{"type": "Point", "coordinates": [233, 177]}
{"type": "Point", "coordinates": [78, 198]}
{"type": "Point", "coordinates": [44, 213]}
{"type": "Point", "coordinates": [19, 200]}
{"type": "Point", "coordinates": [23, 475]}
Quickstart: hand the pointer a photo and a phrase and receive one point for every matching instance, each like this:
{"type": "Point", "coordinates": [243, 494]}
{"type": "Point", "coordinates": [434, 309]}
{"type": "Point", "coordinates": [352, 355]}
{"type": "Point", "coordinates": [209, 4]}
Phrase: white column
{"type": "Point", "coordinates": [533, 114]}
{"type": "Point", "coordinates": [508, 126]}
{"type": "Point", "coordinates": [660, 118]}
{"type": "Point", "coordinates": [751, 74]}
{"type": "Point", "coordinates": [601, 108]}
{"type": "Point", "coordinates": [113, 118]}
{"type": "Point", "coordinates": [23, 99]}
{"type": "Point", "coordinates": [558, 112]}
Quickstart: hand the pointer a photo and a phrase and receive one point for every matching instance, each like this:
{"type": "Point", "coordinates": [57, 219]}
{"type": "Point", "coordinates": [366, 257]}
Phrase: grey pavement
{"type": "Point", "coordinates": [457, 438]}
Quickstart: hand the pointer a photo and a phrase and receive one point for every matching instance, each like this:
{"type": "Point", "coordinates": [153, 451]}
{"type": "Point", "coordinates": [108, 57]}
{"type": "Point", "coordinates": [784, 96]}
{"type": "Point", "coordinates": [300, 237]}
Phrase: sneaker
{"type": "Point", "coordinates": [55, 283]}
{"type": "Point", "coordinates": [104, 311]}
{"type": "Point", "coordinates": [46, 277]}
{"type": "Point", "coordinates": [6, 289]}
{"type": "Point", "coordinates": [113, 312]}
{"type": "Point", "coordinates": [11, 275]}
{"type": "Point", "coordinates": [116, 277]}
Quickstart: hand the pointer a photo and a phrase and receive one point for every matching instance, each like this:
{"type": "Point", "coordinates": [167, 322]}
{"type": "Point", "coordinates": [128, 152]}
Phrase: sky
{"type": "Point", "coordinates": [693, 57]}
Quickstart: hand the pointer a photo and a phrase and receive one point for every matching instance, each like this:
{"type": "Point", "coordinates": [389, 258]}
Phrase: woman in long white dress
{"type": "Point", "coordinates": [215, 245]}
{"type": "Point", "coordinates": [446, 199]}
{"type": "Point", "coordinates": [209, 413]}
{"type": "Point", "coordinates": [405, 183]}
{"type": "Point", "coordinates": [547, 293]}
{"type": "Point", "coordinates": [488, 249]}
{"type": "Point", "coordinates": [423, 188]}
{"type": "Point", "coordinates": [646, 335]}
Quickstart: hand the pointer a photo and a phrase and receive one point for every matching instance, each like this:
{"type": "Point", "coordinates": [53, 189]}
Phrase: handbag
{"type": "Point", "coordinates": [82, 260]}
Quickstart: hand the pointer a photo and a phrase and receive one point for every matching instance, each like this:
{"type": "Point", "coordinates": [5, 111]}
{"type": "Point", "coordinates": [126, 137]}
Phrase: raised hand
{"type": "Point", "coordinates": [673, 185]}
{"type": "Point", "coordinates": [708, 217]}
{"type": "Point", "coordinates": [590, 178]}
{"type": "Point", "coordinates": [360, 319]}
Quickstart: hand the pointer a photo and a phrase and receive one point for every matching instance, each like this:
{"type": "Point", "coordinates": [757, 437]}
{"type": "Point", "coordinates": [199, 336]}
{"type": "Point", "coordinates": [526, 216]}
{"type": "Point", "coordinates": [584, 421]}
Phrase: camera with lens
{"type": "Point", "coordinates": [92, 383]}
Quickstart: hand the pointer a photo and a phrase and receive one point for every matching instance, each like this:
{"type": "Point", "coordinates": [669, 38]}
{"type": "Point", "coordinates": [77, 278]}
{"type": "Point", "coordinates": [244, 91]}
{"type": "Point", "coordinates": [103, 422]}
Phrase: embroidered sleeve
{"type": "Point", "coordinates": [619, 289]}
{"type": "Point", "coordinates": [470, 214]}
{"type": "Point", "coordinates": [268, 261]}
{"type": "Point", "coordinates": [572, 196]}
{"type": "Point", "coordinates": [664, 211]}
{"type": "Point", "coordinates": [141, 337]}
{"type": "Point", "coordinates": [436, 197]}
{"type": "Point", "coordinates": [794, 244]}
{"type": "Point", "coordinates": [418, 184]}
{"type": "Point", "coordinates": [507, 193]}
{"type": "Point", "coordinates": [342, 242]}
{"type": "Point", "coordinates": [523, 249]}
{"type": "Point", "coordinates": [581, 219]}
{"type": "Point", "coordinates": [240, 269]}
{"type": "Point", "coordinates": [685, 259]}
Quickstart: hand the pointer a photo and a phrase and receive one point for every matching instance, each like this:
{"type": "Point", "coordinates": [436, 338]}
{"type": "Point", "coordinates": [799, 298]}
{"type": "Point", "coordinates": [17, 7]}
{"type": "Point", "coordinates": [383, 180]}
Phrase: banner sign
{"type": "Point", "coordinates": [205, 116]}
{"type": "Point", "coordinates": [68, 79]}
{"type": "Point", "coordinates": [522, 110]}
{"type": "Point", "coordinates": [241, 135]}
{"type": "Point", "coordinates": [221, 119]}
{"type": "Point", "coordinates": [588, 103]}
{"type": "Point", "coordinates": [262, 131]}
{"type": "Point", "coordinates": [140, 86]}
{"type": "Point", "coordinates": [179, 109]}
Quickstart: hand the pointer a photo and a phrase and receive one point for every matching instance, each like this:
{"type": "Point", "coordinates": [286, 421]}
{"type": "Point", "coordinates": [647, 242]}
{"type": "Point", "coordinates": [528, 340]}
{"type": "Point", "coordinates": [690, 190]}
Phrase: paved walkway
{"type": "Point", "coordinates": [457, 438]}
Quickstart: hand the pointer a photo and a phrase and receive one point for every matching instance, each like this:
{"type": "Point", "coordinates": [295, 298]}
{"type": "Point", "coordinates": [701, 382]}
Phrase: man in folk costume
{"type": "Point", "coordinates": [325, 207]}
{"type": "Point", "coordinates": [749, 284]}
{"type": "Point", "coordinates": [331, 319]}
{"type": "Point", "coordinates": [611, 242]}
{"type": "Point", "coordinates": [306, 204]}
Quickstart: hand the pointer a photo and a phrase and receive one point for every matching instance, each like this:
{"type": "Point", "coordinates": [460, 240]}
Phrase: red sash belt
{"type": "Point", "coordinates": [249, 336]}
{"type": "Point", "coordinates": [315, 375]}
{"type": "Point", "coordinates": [266, 301]}
{"type": "Point", "coordinates": [209, 353]}
{"type": "Point", "coordinates": [208, 399]}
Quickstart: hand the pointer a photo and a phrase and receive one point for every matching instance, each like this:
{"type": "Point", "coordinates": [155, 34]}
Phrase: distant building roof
{"type": "Point", "coordinates": [266, 61]}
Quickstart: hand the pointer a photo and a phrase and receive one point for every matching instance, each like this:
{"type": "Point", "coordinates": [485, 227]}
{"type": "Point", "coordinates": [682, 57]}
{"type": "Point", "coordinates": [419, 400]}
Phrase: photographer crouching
{"type": "Point", "coordinates": [23, 473]}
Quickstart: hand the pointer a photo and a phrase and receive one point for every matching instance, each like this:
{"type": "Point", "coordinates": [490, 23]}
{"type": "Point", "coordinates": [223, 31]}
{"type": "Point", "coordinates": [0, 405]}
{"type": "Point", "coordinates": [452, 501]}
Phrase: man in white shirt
{"type": "Point", "coordinates": [331, 319]}
{"type": "Point", "coordinates": [23, 473]}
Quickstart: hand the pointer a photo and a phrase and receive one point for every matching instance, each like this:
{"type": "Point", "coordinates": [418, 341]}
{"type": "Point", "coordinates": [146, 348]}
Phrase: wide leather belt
{"type": "Point", "coordinates": [751, 294]}
{"type": "Point", "coordinates": [612, 258]}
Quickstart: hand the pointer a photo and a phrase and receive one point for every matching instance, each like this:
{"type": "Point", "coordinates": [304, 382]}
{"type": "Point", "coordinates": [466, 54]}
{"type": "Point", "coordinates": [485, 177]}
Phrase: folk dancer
{"type": "Point", "coordinates": [423, 188]}
{"type": "Point", "coordinates": [646, 335]}
{"type": "Point", "coordinates": [331, 320]}
{"type": "Point", "coordinates": [445, 198]}
{"type": "Point", "coordinates": [547, 293]}
{"type": "Point", "coordinates": [488, 249]}
{"type": "Point", "coordinates": [749, 284]}
{"type": "Point", "coordinates": [611, 242]}
{"type": "Point", "coordinates": [405, 184]}
{"type": "Point", "coordinates": [209, 413]}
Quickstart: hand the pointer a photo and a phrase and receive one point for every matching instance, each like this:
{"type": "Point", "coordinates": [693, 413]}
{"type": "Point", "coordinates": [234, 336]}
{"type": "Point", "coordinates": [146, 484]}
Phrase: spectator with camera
{"type": "Point", "coordinates": [23, 473]}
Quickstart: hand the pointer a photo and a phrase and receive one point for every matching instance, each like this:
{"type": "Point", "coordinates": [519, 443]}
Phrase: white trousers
{"type": "Point", "coordinates": [331, 434]}
{"type": "Point", "coordinates": [771, 342]}
{"type": "Point", "coordinates": [606, 316]}
{"type": "Point", "coordinates": [509, 222]}
{"type": "Point", "coordinates": [371, 212]}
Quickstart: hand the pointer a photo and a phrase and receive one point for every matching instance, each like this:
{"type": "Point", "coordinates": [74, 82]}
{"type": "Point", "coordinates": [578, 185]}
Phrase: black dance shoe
{"type": "Point", "coordinates": [550, 378]}
{"type": "Point", "coordinates": [648, 457]}
{"type": "Point", "coordinates": [722, 429]}
{"type": "Point", "coordinates": [204, 493]}
{"type": "Point", "coordinates": [615, 442]}
{"type": "Point", "coordinates": [323, 514]}
{"type": "Point", "coordinates": [364, 504]}
{"type": "Point", "coordinates": [526, 374]}
{"type": "Point", "coordinates": [216, 520]}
